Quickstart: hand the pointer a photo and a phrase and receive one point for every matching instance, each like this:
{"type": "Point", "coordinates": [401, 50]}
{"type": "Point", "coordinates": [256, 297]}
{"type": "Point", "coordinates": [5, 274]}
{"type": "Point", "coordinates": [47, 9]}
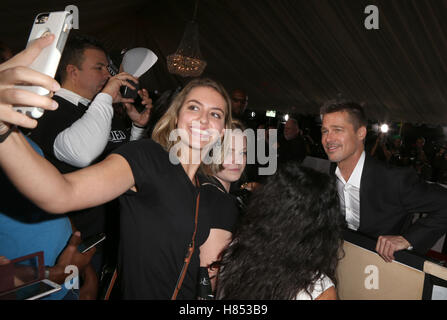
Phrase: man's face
{"type": "Point", "coordinates": [91, 77]}
{"type": "Point", "coordinates": [420, 143]}
{"type": "Point", "coordinates": [341, 142]}
{"type": "Point", "coordinates": [291, 129]}
{"type": "Point", "coordinates": [239, 102]}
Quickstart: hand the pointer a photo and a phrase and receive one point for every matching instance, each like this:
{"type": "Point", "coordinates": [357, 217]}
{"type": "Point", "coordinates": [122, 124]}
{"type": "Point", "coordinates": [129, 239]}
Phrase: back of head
{"type": "Point", "coordinates": [291, 129]}
{"type": "Point", "coordinates": [5, 52]}
{"type": "Point", "coordinates": [420, 142]}
{"type": "Point", "coordinates": [355, 111]}
{"type": "Point", "coordinates": [289, 237]}
{"type": "Point", "coordinates": [239, 101]}
{"type": "Point", "coordinates": [74, 52]}
{"type": "Point", "coordinates": [160, 107]}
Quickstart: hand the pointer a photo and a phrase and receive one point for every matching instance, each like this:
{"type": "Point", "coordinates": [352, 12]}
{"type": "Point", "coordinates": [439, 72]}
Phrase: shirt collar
{"type": "Point", "coordinates": [356, 175]}
{"type": "Point", "coordinates": [72, 97]}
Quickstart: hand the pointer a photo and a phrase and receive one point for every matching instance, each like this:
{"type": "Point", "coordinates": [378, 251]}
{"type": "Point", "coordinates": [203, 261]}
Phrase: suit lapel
{"type": "Point", "coordinates": [365, 186]}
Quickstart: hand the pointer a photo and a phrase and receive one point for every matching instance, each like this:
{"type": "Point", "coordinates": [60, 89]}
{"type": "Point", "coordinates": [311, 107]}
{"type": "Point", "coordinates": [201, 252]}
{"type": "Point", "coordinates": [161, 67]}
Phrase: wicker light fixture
{"type": "Point", "coordinates": [187, 61]}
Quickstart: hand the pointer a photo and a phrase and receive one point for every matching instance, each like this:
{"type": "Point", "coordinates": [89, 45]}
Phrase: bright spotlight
{"type": "Point", "coordinates": [384, 128]}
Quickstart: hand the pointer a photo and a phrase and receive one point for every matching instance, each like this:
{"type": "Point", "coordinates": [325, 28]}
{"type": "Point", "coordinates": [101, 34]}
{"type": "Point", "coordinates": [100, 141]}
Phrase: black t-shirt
{"type": "Point", "coordinates": [221, 205]}
{"type": "Point", "coordinates": [157, 224]}
{"type": "Point", "coordinates": [119, 134]}
{"type": "Point", "coordinates": [292, 150]}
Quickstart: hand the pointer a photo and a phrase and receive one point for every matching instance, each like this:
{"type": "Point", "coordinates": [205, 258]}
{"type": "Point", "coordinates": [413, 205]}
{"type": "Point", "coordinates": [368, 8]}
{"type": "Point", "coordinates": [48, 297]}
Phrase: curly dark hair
{"type": "Point", "coordinates": [290, 236]}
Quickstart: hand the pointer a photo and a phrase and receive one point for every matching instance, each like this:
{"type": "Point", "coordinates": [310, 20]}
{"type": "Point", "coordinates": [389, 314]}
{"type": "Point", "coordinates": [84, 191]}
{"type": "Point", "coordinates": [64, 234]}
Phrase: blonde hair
{"type": "Point", "coordinates": [226, 148]}
{"type": "Point", "coordinates": [228, 143]}
{"type": "Point", "coordinates": [168, 122]}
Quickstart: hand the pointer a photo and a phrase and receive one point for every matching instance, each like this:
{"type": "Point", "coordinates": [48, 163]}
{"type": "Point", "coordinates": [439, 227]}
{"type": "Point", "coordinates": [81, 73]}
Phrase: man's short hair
{"type": "Point", "coordinates": [74, 52]}
{"type": "Point", "coordinates": [355, 111]}
{"type": "Point", "coordinates": [294, 119]}
{"type": "Point", "coordinates": [5, 52]}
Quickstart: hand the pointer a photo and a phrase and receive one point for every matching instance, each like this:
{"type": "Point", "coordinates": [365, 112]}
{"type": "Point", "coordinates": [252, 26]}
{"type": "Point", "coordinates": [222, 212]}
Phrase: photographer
{"type": "Point", "coordinates": [380, 150]}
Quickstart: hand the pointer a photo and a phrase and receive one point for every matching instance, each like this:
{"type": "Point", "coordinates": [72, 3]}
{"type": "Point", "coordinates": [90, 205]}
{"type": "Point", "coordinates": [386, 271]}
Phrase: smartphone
{"type": "Point", "coordinates": [127, 92]}
{"type": "Point", "coordinates": [59, 24]}
{"type": "Point", "coordinates": [32, 291]}
{"type": "Point", "coordinates": [91, 242]}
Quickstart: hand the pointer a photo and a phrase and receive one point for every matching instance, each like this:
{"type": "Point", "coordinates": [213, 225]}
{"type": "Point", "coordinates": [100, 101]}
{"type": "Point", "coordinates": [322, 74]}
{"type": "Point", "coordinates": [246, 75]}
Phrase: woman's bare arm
{"type": "Point", "coordinates": [329, 294]}
{"type": "Point", "coordinates": [211, 250]}
{"type": "Point", "coordinates": [44, 185]}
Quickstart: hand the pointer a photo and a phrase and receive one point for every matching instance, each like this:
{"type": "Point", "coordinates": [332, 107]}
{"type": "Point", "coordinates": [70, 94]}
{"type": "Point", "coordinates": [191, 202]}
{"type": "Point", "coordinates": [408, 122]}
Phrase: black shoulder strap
{"type": "Point", "coordinates": [215, 183]}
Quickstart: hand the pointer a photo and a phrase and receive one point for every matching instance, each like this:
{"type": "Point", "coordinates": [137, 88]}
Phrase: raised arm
{"type": "Point", "coordinates": [83, 141]}
{"type": "Point", "coordinates": [44, 185]}
{"type": "Point", "coordinates": [15, 71]}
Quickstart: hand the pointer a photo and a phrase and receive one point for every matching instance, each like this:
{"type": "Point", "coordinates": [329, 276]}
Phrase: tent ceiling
{"type": "Point", "coordinates": [290, 55]}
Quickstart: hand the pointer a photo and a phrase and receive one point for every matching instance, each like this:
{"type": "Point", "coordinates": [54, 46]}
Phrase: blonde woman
{"type": "Point", "coordinates": [225, 212]}
{"type": "Point", "coordinates": [155, 180]}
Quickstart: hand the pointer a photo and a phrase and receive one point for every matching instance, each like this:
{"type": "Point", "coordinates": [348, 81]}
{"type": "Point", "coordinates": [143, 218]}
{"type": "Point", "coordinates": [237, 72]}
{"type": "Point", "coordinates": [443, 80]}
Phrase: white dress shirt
{"type": "Point", "coordinates": [81, 143]}
{"type": "Point", "coordinates": [349, 193]}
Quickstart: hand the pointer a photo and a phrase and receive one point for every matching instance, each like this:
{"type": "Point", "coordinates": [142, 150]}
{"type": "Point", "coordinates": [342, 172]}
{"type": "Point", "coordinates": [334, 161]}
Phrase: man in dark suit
{"type": "Point", "coordinates": [293, 146]}
{"type": "Point", "coordinates": [376, 199]}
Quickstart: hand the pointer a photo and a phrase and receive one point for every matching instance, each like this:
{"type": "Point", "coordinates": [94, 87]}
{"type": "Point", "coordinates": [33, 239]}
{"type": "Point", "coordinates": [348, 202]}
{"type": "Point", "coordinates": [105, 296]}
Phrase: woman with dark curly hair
{"type": "Point", "coordinates": [288, 243]}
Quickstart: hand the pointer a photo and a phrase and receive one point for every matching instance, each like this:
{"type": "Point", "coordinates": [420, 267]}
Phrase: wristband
{"type": "Point", "coordinates": [7, 133]}
{"type": "Point", "coordinates": [47, 273]}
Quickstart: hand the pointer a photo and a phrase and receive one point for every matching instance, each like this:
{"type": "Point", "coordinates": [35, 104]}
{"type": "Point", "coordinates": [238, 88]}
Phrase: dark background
{"type": "Point", "coordinates": [291, 56]}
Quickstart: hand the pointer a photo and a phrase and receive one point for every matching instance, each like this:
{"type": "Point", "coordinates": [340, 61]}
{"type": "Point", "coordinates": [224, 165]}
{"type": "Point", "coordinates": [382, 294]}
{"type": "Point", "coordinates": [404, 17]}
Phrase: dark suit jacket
{"type": "Point", "coordinates": [389, 194]}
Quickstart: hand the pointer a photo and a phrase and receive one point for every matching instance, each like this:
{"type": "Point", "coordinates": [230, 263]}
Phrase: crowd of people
{"type": "Point", "coordinates": [193, 218]}
{"type": "Point", "coordinates": [429, 160]}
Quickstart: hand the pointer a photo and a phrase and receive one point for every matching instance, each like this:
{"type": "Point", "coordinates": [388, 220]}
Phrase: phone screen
{"type": "Point", "coordinates": [33, 291]}
{"type": "Point", "coordinates": [90, 242]}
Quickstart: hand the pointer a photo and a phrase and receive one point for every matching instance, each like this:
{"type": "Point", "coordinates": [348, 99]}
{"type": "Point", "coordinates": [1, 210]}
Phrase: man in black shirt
{"type": "Point", "coordinates": [293, 146]}
{"type": "Point", "coordinates": [239, 104]}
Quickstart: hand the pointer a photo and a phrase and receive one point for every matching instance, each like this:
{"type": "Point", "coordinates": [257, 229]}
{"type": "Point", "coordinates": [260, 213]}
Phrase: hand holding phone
{"type": "Point", "coordinates": [16, 71]}
{"type": "Point", "coordinates": [114, 84]}
{"type": "Point", "coordinates": [59, 24]}
{"type": "Point", "coordinates": [91, 242]}
{"type": "Point", "coordinates": [71, 256]}
{"type": "Point", "coordinates": [23, 278]}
